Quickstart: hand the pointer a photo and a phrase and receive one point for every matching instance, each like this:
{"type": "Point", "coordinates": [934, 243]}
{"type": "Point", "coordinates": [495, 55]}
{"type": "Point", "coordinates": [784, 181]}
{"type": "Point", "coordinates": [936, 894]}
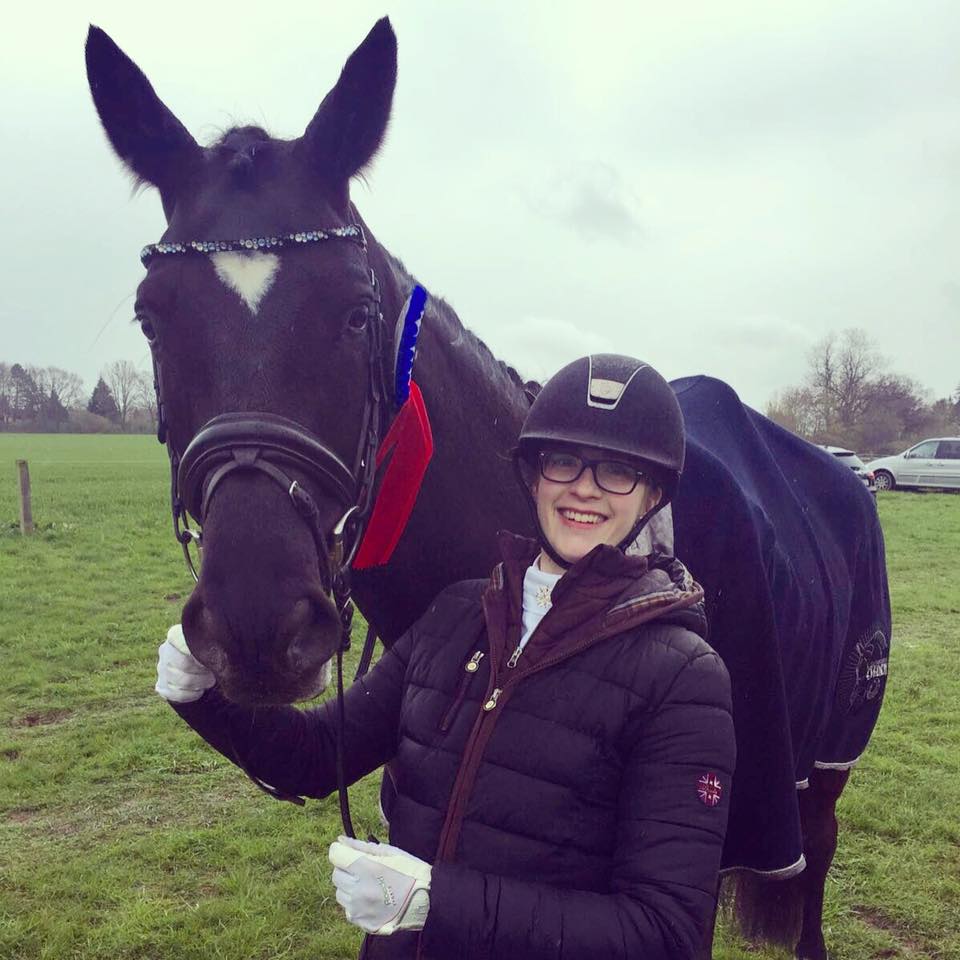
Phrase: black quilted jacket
{"type": "Point", "coordinates": [573, 804]}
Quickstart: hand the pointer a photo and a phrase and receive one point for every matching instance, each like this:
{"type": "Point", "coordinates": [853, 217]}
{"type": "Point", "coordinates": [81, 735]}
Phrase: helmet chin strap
{"type": "Point", "coordinates": [641, 523]}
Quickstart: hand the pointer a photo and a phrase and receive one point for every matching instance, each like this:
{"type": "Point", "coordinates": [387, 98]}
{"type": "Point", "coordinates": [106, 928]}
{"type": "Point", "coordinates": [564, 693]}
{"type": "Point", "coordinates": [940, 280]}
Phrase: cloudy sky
{"type": "Point", "coordinates": [710, 186]}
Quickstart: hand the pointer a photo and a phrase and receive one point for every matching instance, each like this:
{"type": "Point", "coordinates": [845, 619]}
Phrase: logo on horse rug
{"type": "Point", "coordinates": [865, 672]}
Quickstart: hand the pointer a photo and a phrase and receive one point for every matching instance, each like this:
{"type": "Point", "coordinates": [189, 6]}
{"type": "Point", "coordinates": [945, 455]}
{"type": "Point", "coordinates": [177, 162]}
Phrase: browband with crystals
{"type": "Point", "coordinates": [352, 231]}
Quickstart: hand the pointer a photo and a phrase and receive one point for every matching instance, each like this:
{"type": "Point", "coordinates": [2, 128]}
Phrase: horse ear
{"type": "Point", "coordinates": [348, 128]}
{"type": "Point", "coordinates": [152, 143]}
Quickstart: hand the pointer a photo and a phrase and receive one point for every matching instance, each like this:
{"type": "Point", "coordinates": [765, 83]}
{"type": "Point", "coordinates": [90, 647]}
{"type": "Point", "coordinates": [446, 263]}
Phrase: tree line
{"type": "Point", "coordinates": [53, 400]}
{"type": "Point", "coordinates": [849, 397]}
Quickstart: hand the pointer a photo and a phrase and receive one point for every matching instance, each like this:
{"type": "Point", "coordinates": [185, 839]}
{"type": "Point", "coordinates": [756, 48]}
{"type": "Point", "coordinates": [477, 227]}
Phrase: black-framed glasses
{"type": "Point", "coordinates": [612, 476]}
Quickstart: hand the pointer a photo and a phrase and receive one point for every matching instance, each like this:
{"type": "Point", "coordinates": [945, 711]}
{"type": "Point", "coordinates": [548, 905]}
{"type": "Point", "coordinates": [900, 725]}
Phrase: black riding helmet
{"type": "Point", "coordinates": [615, 403]}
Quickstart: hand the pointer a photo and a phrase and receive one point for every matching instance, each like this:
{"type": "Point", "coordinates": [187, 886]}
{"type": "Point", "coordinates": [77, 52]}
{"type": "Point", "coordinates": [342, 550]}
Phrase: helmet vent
{"type": "Point", "coordinates": [605, 393]}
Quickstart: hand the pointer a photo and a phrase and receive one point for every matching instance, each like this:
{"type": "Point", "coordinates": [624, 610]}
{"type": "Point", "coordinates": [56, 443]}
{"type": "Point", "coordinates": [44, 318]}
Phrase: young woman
{"type": "Point", "coordinates": [559, 735]}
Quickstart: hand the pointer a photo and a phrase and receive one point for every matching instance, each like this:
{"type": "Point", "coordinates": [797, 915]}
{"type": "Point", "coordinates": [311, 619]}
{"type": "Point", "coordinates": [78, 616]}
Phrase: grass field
{"type": "Point", "coordinates": [123, 836]}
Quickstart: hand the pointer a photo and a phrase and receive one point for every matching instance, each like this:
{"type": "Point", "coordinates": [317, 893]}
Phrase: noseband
{"type": "Point", "coordinates": [274, 446]}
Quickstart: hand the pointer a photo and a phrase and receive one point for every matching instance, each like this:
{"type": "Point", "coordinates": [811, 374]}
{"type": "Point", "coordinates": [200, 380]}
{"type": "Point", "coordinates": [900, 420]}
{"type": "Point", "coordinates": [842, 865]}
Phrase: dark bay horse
{"type": "Point", "coordinates": [270, 309]}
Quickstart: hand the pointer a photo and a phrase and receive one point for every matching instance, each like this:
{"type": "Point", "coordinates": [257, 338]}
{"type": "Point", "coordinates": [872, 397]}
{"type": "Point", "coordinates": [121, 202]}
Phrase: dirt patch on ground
{"type": "Point", "coordinates": [21, 816]}
{"type": "Point", "coordinates": [879, 921]}
{"type": "Point", "coordinates": [42, 718]}
{"type": "Point", "coordinates": [39, 822]}
{"type": "Point", "coordinates": [11, 754]}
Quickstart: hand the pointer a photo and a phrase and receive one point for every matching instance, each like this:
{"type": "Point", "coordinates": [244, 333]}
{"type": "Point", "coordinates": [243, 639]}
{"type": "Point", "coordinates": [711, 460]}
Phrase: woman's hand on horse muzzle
{"type": "Point", "coordinates": [181, 677]}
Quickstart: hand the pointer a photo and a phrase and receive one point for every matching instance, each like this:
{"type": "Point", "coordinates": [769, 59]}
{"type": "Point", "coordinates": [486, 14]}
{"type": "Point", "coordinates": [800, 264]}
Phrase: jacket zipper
{"type": "Point", "coordinates": [469, 669]}
{"type": "Point", "coordinates": [496, 696]}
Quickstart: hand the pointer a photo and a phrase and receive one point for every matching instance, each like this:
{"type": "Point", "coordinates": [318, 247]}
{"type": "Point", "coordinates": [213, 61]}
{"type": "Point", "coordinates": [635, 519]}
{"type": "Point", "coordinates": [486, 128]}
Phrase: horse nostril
{"type": "Point", "coordinates": [309, 627]}
{"type": "Point", "coordinates": [207, 635]}
{"type": "Point", "coordinates": [301, 617]}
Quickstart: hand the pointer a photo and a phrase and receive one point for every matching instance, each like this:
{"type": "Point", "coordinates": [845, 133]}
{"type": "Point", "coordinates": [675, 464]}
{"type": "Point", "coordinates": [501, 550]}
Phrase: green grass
{"type": "Point", "coordinates": [123, 836]}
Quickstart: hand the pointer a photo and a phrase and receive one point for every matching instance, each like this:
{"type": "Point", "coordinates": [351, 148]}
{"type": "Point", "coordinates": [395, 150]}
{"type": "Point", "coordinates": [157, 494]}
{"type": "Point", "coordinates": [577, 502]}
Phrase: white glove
{"type": "Point", "coordinates": [381, 888]}
{"type": "Point", "coordinates": [181, 677]}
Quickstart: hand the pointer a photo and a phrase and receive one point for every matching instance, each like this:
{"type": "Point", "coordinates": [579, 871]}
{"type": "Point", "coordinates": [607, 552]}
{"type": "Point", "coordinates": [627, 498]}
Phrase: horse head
{"type": "Point", "coordinates": [263, 312]}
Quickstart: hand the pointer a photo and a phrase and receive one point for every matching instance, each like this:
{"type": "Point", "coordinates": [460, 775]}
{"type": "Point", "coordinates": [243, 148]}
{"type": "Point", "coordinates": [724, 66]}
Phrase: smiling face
{"type": "Point", "coordinates": [576, 517]}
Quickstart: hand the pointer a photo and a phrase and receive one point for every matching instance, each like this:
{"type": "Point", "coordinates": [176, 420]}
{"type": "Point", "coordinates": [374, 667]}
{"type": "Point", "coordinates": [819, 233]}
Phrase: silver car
{"type": "Point", "coordinates": [930, 463]}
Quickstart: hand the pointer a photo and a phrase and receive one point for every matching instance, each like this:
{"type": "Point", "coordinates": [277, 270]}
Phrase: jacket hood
{"type": "Point", "coordinates": [604, 593]}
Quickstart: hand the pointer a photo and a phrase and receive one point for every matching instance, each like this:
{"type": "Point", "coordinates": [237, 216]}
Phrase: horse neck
{"type": "Point", "coordinates": [475, 402]}
{"type": "Point", "coordinates": [476, 405]}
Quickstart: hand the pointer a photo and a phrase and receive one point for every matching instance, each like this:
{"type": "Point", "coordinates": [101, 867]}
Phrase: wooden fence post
{"type": "Point", "coordinates": [26, 512]}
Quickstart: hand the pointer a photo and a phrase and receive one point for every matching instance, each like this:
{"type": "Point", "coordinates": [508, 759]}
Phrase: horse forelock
{"type": "Point", "coordinates": [240, 139]}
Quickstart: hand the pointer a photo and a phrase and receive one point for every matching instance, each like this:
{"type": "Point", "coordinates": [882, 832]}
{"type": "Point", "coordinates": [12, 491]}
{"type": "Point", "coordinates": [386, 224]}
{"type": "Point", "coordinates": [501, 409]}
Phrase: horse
{"type": "Point", "coordinates": [268, 305]}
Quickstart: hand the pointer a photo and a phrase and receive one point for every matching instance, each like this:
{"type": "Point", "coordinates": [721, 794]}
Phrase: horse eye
{"type": "Point", "coordinates": [148, 329]}
{"type": "Point", "coordinates": [357, 320]}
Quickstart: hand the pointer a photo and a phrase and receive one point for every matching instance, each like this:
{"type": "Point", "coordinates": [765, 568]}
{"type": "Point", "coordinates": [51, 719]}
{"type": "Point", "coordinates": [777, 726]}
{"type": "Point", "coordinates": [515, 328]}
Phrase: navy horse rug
{"type": "Point", "coordinates": [788, 547]}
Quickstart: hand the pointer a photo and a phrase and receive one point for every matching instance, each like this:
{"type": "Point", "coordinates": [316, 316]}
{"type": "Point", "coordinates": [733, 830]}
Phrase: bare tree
{"type": "Point", "coordinates": [795, 408]}
{"type": "Point", "coordinates": [849, 398]}
{"type": "Point", "coordinates": [842, 369]}
{"type": "Point", "coordinates": [6, 394]}
{"type": "Point", "coordinates": [67, 386]}
{"type": "Point", "coordinates": [146, 396]}
{"type": "Point", "coordinates": [123, 379]}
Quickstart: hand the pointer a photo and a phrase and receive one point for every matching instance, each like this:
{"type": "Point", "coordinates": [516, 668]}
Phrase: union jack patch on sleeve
{"type": "Point", "coordinates": [709, 789]}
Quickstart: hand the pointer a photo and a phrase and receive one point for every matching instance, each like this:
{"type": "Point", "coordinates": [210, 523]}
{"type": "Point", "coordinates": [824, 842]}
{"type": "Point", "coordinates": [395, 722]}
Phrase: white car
{"type": "Point", "coordinates": [930, 463]}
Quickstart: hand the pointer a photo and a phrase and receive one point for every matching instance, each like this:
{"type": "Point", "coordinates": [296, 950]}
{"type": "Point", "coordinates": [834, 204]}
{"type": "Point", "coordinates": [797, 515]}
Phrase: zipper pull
{"type": "Point", "coordinates": [473, 664]}
{"type": "Point", "coordinates": [514, 657]}
{"type": "Point", "coordinates": [492, 702]}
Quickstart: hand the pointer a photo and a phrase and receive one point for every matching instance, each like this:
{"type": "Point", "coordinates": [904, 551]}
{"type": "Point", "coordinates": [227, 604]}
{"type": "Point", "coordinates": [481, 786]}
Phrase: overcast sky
{"type": "Point", "coordinates": [712, 187]}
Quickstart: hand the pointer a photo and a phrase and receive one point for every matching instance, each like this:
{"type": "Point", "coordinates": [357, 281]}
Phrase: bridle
{"type": "Point", "coordinates": [269, 443]}
{"type": "Point", "coordinates": [273, 445]}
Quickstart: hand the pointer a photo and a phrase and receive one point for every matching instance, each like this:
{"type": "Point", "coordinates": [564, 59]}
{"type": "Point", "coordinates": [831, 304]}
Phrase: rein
{"type": "Point", "coordinates": [272, 445]}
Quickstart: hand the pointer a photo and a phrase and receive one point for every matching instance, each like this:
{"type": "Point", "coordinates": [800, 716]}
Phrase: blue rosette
{"type": "Point", "coordinates": [407, 332]}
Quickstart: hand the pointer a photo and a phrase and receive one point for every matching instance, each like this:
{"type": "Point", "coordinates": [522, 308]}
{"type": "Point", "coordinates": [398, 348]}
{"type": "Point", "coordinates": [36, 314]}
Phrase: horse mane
{"type": "Point", "coordinates": [494, 369]}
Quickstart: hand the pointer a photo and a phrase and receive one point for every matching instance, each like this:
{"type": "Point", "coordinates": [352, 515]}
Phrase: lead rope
{"type": "Point", "coordinates": [346, 619]}
{"type": "Point", "coordinates": [366, 656]}
{"type": "Point", "coordinates": [342, 791]}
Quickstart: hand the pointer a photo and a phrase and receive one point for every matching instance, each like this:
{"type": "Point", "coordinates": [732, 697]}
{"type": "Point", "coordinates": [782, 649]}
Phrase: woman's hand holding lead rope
{"type": "Point", "coordinates": [381, 888]}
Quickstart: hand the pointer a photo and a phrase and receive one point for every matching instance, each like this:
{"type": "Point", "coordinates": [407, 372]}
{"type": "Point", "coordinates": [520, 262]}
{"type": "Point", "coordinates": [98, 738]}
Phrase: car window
{"type": "Point", "coordinates": [948, 450]}
{"type": "Point", "coordinates": [926, 449]}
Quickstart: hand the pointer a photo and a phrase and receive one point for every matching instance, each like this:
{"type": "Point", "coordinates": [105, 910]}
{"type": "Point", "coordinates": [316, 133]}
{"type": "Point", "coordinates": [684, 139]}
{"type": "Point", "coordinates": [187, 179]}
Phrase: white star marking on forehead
{"type": "Point", "coordinates": [249, 275]}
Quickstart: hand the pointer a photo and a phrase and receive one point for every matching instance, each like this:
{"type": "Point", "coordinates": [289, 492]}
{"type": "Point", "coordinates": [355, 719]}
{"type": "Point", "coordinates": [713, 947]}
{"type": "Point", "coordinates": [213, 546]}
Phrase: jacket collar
{"type": "Point", "coordinates": [602, 594]}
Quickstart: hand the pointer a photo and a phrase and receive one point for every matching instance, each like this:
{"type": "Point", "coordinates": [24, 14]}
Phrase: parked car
{"type": "Point", "coordinates": [850, 459]}
{"type": "Point", "coordinates": [930, 463]}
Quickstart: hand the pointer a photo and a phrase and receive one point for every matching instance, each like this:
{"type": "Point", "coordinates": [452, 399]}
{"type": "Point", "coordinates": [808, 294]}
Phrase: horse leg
{"type": "Point", "coordinates": [818, 820]}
